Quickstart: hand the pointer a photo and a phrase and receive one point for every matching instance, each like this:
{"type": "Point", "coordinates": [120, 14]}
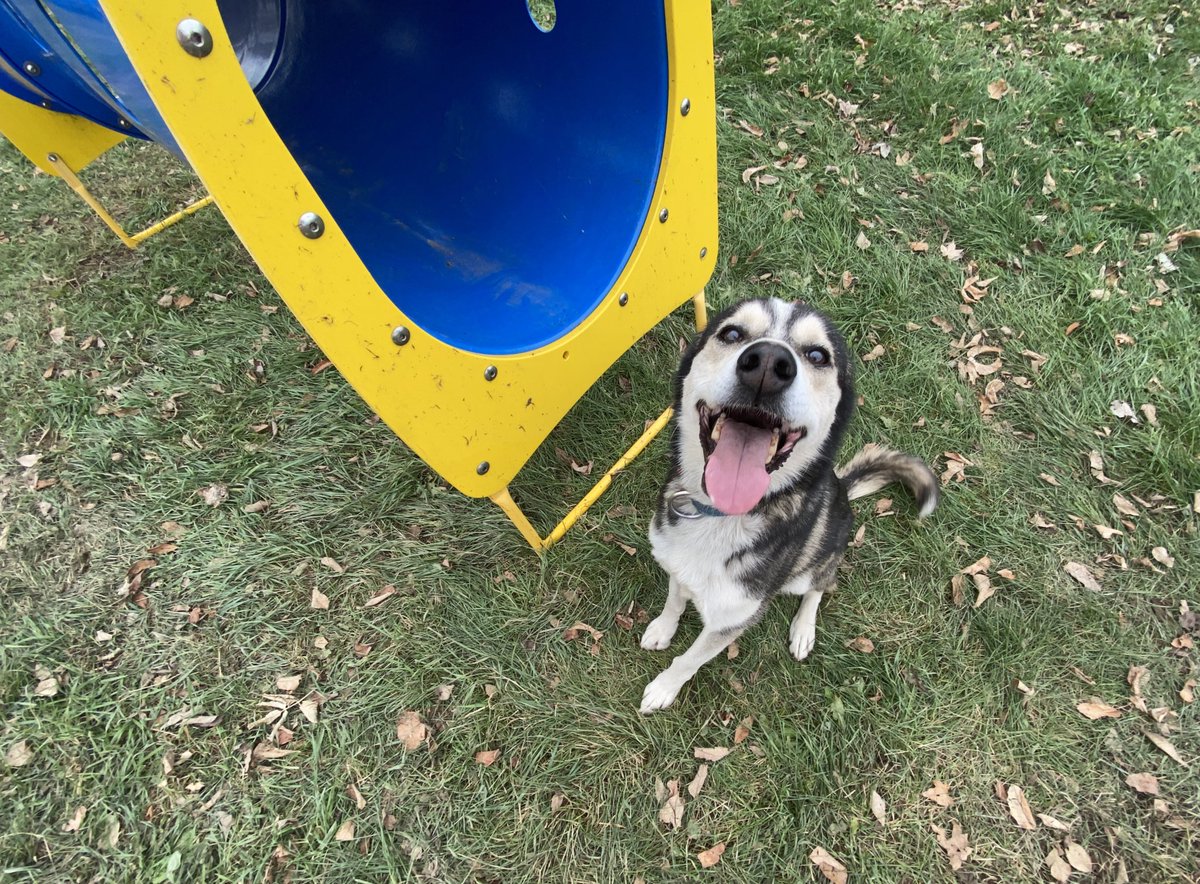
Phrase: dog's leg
{"type": "Point", "coordinates": [661, 629]}
{"type": "Point", "coordinates": [720, 629]}
{"type": "Point", "coordinates": [803, 634]}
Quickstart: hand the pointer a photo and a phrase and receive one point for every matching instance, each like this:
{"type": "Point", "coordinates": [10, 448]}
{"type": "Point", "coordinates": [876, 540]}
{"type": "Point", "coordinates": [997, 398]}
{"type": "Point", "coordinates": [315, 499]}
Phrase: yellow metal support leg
{"type": "Point", "coordinates": [67, 174]}
{"type": "Point", "coordinates": [504, 500]}
{"type": "Point", "coordinates": [701, 311]}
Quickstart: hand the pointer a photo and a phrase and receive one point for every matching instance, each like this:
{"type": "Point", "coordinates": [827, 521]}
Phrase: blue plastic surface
{"type": "Point", "coordinates": [493, 177]}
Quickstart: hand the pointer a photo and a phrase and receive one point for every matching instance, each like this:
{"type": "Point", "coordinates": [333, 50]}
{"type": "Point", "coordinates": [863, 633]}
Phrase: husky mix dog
{"type": "Point", "coordinates": [753, 506]}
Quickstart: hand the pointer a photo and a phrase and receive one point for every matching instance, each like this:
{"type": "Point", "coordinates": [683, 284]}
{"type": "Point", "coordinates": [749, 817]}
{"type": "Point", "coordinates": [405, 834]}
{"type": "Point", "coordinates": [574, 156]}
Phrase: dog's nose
{"type": "Point", "coordinates": [766, 368]}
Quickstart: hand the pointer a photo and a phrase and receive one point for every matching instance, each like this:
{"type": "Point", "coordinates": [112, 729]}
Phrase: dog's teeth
{"type": "Point", "coordinates": [716, 430]}
{"type": "Point", "coordinates": [774, 446]}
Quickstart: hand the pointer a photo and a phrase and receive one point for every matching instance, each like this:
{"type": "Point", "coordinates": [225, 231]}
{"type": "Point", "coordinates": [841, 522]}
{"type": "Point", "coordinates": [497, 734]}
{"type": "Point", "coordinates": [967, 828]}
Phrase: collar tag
{"type": "Point", "coordinates": [698, 511]}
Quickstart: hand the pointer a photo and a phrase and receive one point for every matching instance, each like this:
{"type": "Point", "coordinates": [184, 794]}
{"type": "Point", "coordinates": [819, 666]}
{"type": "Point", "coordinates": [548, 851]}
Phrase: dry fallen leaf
{"type": "Point", "coordinates": [1096, 708]}
{"type": "Point", "coordinates": [345, 831]}
{"type": "Point", "coordinates": [1051, 822]}
{"type": "Point", "coordinates": [712, 856]}
{"type": "Point", "coordinates": [715, 753]}
{"type": "Point", "coordinates": [76, 820]}
{"type": "Point", "coordinates": [861, 241]}
{"type": "Point", "coordinates": [742, 731]}
{"type": "Point", "coordinates": [411, 730]}
{"type": "Point", "coordinates": [919, 246]}
{"type": "Point", "coordinates": [977, 155]}
{"type": "Point", "coordinates": [1060, 869]}
{"type": "Point", "coordinates": [1078, 857]}
{"type": "Point", "coordinates": [1166, 746]}
{"type": "Point", "coordinates": [670, 813]}
{"type": "Point", "coordinates": [828, 866]}
{"type": "Point", "coordinates": [214, 495]}
{"type": "Point", "coordinates": [876, 352]}
{"type": "Point", "coordinates": [1049, 185]}
{"type": "Point", "coordinates": [1162, 556]}
{"type": "Point", "coordinates": [1146, 783]}
{"type": "Point", "coordinates": [1019, 808]}
{"type": "Point", "coordinates": [878, 807]}
{"type": "Point", "coordinates": [939, 793]}
{"type": "Point", "coordinates": [487, 757]}
{"type": "Point", "coordinates": [698, 781]}
{"type": "Point", "coordinates": [288, 683]}
{"type": "Point", "coordinates": [984, 588]}
{"type": "Point", "coordinates": [955, 844]}
{"type": "Point", "coordinates": [332, 564]}
{"type": "Point", "coordinates": [380, 597]}
{"type": "Point", "coordinates": [18, 755]}
{"type": "Point", "coordinates": [1082, 575]}
{"type": "Point", "coordinates": [1188, 692]}
{"type": "Point", "coordinates": [862, 644]}
{"type": "Point", "coordinates": [309, 708]}
{"type": "Point", "coordinates": [951, 252]}
{"type": "Point", "coordinates": [320, 601]}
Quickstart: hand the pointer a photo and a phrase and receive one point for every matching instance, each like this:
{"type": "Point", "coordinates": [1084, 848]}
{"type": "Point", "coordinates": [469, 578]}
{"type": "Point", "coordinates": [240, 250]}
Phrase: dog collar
{"type": "Point", "coordinates": [699, 510]}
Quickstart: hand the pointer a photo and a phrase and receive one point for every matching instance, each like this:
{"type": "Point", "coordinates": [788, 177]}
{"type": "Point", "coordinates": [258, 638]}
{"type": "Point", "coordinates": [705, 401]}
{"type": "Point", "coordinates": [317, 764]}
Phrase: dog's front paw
{"type": "Point", "coordinates": [803, 637]}
{"type": "Point", "coordinates": [659, 633]}
{"type": "Point", "coordinates": [659, 694]}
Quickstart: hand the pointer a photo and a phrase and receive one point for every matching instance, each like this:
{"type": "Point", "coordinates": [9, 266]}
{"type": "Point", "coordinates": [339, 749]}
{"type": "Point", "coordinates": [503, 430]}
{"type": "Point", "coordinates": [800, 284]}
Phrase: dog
{"type": "Point", "coordinates": [753, 506]}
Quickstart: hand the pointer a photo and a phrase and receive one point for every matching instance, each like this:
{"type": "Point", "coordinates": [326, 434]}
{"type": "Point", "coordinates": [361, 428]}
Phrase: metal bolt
{"type": "Point", "coordinates": [52, 157]}
{"type": "Point", "coordinates": [31, 68]}
{"type": "Point", "coordinates": [685, 107]}
{"type": "Point", "coordinates": [45, 104]}
{"type": "Point", "coordinates": [400, 336]}
{"type": "Point", "coordinates": [123, 123]}
{"type": "Point", "coordinates": [662, 216]}
{"type": "Point", "coordinates": [704, 252]}
{"type": "Point", "coordinates": [489, 373]}
{"type": "Point", "coordinates": [194, 38]}
{"type": "Point", "coordinates": [624, 299]}
{"type": "Point", "coordinates": [483, 468]}
{"type": "Point", "coordinates": [312, 225]}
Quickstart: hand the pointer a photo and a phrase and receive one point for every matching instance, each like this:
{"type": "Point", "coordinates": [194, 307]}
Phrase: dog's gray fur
{"type": "Point", "coordinates": [791, 541]}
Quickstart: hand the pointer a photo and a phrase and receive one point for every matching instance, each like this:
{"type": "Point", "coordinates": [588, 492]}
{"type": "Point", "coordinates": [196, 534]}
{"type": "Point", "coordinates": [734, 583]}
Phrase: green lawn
{"type": "Point", "coordinates": [137, 704]}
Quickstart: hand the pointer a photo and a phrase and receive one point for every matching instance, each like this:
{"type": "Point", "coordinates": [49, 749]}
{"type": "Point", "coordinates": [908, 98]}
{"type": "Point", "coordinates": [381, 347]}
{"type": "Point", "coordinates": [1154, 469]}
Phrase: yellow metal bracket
{"type": "Point", "coordinates": [67, 174]}
{"type": "Point", "coordinates": [503, 498]}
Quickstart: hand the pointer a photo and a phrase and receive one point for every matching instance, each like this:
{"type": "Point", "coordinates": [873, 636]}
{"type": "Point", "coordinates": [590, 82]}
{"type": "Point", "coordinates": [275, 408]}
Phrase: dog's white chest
{"type": "Point", "coordinates": [697, 551]}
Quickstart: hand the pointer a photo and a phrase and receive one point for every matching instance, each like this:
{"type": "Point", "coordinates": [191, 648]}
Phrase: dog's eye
{"type": "Point", "coordinates": [731, 335]}
{"type": "Point", "coordinates": [817, 355]}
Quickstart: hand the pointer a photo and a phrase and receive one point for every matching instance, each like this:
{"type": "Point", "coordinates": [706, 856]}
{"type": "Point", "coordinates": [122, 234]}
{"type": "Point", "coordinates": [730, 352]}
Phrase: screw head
{"type": "Point", "coordinates": [686, 107]}
{"type": "Point", "coordinates": [400, 336]}
{"type": "Point", "coordinates": [194, 38]}
{"type": "Point", "coordinates": [32, 68]}
{"type": "Point", "coordinates": [123, 123]}
{"type": "Point", "coordinates": [704, 252]}
{"type": "Point", "coordinates": [624, 299]}
{"type": "Point", "coordinates": [483, 468]}
{"type": "Point", "coordinates": [489, 373]}
{"type": "Point", "coordinates": [312, 225]}
{"type": "Point", "coordinates": [662, 216]}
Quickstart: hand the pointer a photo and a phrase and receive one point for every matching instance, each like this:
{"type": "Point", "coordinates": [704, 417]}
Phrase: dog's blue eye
{"type": "Point", "coordinates": [817, 355]}
{"type": "Point", "coordinates": [730, 335]}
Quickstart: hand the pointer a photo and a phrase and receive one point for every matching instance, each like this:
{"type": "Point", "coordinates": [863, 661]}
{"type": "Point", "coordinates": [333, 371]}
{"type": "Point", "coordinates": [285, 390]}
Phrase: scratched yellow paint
{"type": "Point", "coordinates": [432, 395]}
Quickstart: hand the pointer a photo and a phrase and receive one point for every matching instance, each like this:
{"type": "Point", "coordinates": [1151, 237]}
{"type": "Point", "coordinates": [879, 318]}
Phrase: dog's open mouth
{"type": "Point", "coordinates": [742, 447]}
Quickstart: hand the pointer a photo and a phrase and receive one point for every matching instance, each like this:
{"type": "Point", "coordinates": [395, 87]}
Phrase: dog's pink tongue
{"type": "Point", "coordinates": [736, 473]}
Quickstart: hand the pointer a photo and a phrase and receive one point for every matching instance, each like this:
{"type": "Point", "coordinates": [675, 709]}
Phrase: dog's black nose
{"type": "Point", "coordinates": [766, 368]}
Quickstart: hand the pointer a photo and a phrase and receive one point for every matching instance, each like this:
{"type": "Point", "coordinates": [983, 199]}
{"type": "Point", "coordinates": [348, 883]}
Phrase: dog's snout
{"type": "Point", "coordinates": [766, 368]}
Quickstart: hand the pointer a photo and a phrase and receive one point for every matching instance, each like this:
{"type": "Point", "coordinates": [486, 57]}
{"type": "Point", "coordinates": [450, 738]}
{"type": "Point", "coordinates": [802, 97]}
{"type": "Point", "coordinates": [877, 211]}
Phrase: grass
{"type": "Point", "coordinates": [128, 433]}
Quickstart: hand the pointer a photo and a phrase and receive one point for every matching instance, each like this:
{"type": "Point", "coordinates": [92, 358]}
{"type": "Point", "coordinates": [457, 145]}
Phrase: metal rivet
{"type": "Point", "coordinates": [489, 373]}
{"type": "Point", "coordinates": [624, 299]}
{"type": "Point", "coordinates": [45, 104]}
{"type": "Point", "coordinates": [662, 216]}
{"type": "Point", "coordinates": [400, 336]}
{"type": "Point", "coordinates": [123, 123]}
{"type": "Point", "coordinates": [52, 157]}
{"type": "Point", "coordinates": [31, 68]}
{"type": "Point", "coordinates": [312, 225]}
{"type": "Point", "coordinates": [483, 468]}
{"type": "Point", "coordinates": [704, 252]}
{"type": "Point", "coordinates": [685, 107]}
{"type": "Point", "coordinates": [194, 38]}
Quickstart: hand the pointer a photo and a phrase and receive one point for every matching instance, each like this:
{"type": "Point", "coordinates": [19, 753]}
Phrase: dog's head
{"type": "Point", "coordinates": [762, 399]}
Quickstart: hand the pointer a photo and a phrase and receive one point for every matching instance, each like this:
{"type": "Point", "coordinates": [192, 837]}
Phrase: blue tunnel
{"type": "Point", "coordinates": [492, 176]}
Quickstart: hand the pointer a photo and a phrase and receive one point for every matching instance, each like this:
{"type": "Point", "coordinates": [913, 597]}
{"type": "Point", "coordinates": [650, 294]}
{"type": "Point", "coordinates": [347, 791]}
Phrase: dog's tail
{"type": "Point", "coordinates": [876, 466]}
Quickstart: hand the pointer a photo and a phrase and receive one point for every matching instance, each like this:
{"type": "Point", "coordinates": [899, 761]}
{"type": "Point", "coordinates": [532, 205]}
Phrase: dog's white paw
{"type": "Point", "coordinates": [803, 637]}
{"type": "Point", "coordinates": [659, 694]}
{"type": "Point", "coordinates": [659, 633]}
